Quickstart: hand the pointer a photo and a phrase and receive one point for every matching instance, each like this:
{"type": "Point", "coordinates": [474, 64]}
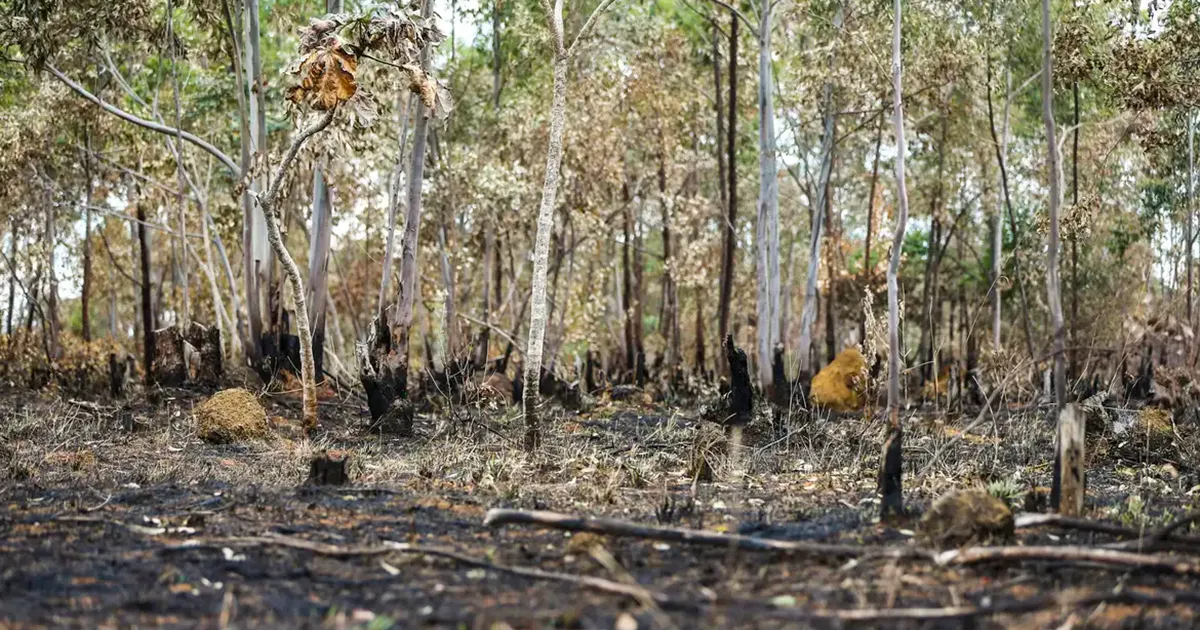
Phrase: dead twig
{"type": "Point", "coordinates": [613, 527]}
{"type": "Point", "coordinates": [1139, 540]}
{"type": "Point", "coordinates": [1071, 554]}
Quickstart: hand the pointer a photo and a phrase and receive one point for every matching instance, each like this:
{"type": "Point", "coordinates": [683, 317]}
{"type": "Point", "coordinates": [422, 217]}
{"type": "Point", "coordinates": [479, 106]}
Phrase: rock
{"type": "Point", "coordinates": [965, 517]}
{"type": "Point", "coordinates": [231, 415]}
{"type": "Point", "coordinates": [839, 386]}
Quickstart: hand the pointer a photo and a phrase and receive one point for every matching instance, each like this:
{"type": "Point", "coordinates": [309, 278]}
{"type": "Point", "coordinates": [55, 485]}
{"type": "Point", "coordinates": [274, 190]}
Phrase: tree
{"type": "Point", "coordinates": [545, 217]}
{"type": "Point", "coordinates": [890, 474]}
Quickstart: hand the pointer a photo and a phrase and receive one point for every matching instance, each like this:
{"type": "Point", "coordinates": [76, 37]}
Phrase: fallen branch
{"type": "Point", "coordinates": [1030, 521]}
{"type": "Point", "coordinates": [864, 615]}
{"type": "Point", "coordinates": [1139, 539]}
{"type": "Point", "coordinates": [633, 591]}
{"type": "Point", "coordinates": [1076, 554]}
{"type": "Point", "coordinates": [613, 527]}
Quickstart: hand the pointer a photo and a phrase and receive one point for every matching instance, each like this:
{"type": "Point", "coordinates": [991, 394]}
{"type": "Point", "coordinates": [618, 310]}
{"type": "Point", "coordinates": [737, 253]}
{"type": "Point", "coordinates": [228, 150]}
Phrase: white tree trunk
{"type": "Point", "coordinates": [808, 312]}
{"type": "Point", "coordinates": [890, 476]}
{"type": "Point", "coordinates": [998, 224]}
{"type": "Point", "coordinates": [767, 236]}
{"type": "Point", "coordinates": [541, 253]}
{"type": "Point", "coordinates": [1054, 164]}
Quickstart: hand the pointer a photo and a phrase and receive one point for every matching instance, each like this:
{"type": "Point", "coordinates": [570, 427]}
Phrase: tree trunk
{"type": "Point", "coordinates": [1000, 143]}
{"type": "Point", "coordinates": [545, 226]}
{"type": "Point", "coordinates": [831, 295]}
{"type": "Point", "coordinates": [730, 242]}
{"type": "Point", "coordinates": [394, 201]}
{"type": "Point", "coordinates": [867, 266]}
{"type": "Point", "coordinates": [1054, 167]}
{"type": "Point", "coordinates": [1075, 239]}
{"type": "Point", "coordinates": [809, 311]}
{"type": "Point", "coordinates": [890, 475]}
{"type": "Point", "coordinates": [767, 238]}
{"type": "Point", "coordinates": [181, 182]}
{"type": "Point", "coordinates": [1191, 170]}
{"type": "Point", "coordinates": [497, 77]}
{"type": "Point", "coordinates": [670, 320]}
{"type": "Point", "coordinates": [267, 202]}
{"type": "Point", "coordinates": [147, 308]}
{"type": "Point", "coordinates": [320, 235]}
{"type": "Point", "coordinates": [255, 256]}
{"type": "Point", "coordinates": [86, 291]}
{"type": "Point", "coordinates": [930, 298]}
{"type": "Point", "coordinates": [12, 279]}
{"type": "Point", "coordinates": [51, 321]}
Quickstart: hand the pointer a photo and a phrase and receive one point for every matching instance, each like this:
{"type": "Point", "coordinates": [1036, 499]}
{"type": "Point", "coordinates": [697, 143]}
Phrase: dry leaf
{"type": "Point", "coordinates": [328, 78]}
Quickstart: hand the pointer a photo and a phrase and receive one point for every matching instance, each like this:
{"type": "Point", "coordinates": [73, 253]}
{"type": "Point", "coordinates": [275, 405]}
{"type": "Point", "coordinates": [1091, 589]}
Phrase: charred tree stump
{"type": "Point", "coordinates": [780, 386]}
{"type": "Point", "coordinates": [169, 368]}
{"type": "Point", "coordinates": [741, 392]}
{"type": "Point", "coordinates": [891, 474]}
{"type": "Point", "coordinates": [329, 469]}
{"type": "Point", "coordinates": [1070, 474]}
{"type": "Point", "coordinates": [384, 375]}
{"type": "Point", "coordinates": [207, 342]}
{"type": "Point", "coordinates": [589, 372]}
{"type": "Point", "coordinates": [118, 375]}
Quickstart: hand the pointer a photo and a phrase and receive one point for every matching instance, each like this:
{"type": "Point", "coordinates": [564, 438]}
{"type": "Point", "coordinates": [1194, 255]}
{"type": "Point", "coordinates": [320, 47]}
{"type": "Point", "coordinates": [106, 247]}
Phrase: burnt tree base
{"type": "Point", "coordinates": [180, 359]}
{"type": "Point", "coordinates": [383, 372]}
{"type": "Point", "coordinates": [741, 388]}
{"type": "Point", "coordinates": [329, 469]}
{"type": "Point", "coordinates": [891, 484]}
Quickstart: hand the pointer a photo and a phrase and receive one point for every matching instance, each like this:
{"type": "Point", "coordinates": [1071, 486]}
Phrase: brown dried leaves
{"type": "Point", "coordinates": [327, 78]}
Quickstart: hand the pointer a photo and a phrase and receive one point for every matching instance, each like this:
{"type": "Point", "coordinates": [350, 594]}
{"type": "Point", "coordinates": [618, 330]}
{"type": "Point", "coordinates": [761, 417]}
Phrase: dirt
{"type": "Point", "coordinates": [93, 516]}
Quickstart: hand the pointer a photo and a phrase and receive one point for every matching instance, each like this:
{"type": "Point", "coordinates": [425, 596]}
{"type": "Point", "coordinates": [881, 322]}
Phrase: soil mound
{"type": "Point", "coordinates": [839, 385]}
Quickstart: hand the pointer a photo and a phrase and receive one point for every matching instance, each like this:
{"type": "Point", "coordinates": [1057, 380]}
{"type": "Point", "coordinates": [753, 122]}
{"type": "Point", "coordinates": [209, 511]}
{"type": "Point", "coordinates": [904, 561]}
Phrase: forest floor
{"type": "Point", "coordinates": [94, 521]}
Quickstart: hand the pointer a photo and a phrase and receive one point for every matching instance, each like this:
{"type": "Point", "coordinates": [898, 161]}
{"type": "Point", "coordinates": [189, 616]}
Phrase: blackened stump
{"type": "Point", "coordinates": [890, 475]}
{"type": "Point", "coordinates": [329, 469]}
{"type": "Point", "coordinates": [741, 392]}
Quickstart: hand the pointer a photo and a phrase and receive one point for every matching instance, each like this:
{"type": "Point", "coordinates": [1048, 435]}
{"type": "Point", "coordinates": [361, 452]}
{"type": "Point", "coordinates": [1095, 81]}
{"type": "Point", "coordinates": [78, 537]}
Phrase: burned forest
{"type": "Point", "coordinates": [502, 314]}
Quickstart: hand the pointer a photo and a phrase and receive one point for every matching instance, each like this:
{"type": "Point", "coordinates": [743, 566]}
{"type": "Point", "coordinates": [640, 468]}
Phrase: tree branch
{"type": "Point", "coordinates": [588, 25]}
{"type": "Point", "coordinates": [142, 122]}
{"type": "Point", "coordinates": [741, 16]}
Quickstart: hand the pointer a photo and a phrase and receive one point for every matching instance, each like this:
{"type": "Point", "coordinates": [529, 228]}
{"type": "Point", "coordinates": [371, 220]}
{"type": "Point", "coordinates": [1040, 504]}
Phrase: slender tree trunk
{"type": "Point", "coordinates": [670, 321]}
{"type": "Point", "coordinates": [831, 294]}
{"type": "Point", "coordinates": [320, 236]}
{"type": "Point", "coordinates": [1054, 167]}
{"type": "Point", "coordinates": [497, 58]}
{"type": "Point", "coordinates": [181, 181]}
{"type": "Point", "coordinates": [730, 242]}
{"type": "Point", "coordinates": [1075, 238]}
{"type": "Point", "coordinates": [627, 278]}
{"type": "Point", "coordinates": [12, 279]}
{"type": "Point", "coordinates": [255, 257]}
{"type": "Point", "coordinates": [545, 226]}
{"type": "Point", "coordinates": [890, 475]}
{"type": "Point", "coordinates": [86, 290]}
{"type": "Point", "coordinates": [53, 327]}
{"type": "Point", "coordinates": [394, 202]}
{"type": "Point", "coordinates": [809, 312]}
{"type": "Point", "coordinates": [768, 207]}
{"type": "Point", "coordinates": [147, 308]}
{"type": "Point", "coordinates": [267, 202]}
{"type": "Point", "coordinates": [1191, 170]}
{"type": "Point", "coordinates": [1001, 147]}
{"type": "Point", "coordinates": [867, 266]}
{"type": "Point", "coordinates": [545, 220]}
{"type": "Point", "coordinates": [930, 296]}
{"type": "Point", "coordinates": [409, 251]}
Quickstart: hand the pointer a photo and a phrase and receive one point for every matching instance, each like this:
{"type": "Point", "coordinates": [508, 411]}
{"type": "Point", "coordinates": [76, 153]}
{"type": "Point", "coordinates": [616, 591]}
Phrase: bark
{"type": "Point", "coordinates": [670, 320]}
{"type": "Point", "coordinates": [256, 262]}
{"type": "Point", "coordinates": [867, 266]}
{"type": "Point", "coordinates": [1075, 236]}
{"type": "Point", "coordinates": [1191, 176]}
{"type": "Point", "coordinates": [730, 242]}
{"type": "Point", "coordinates": [251, 332]}
{"type": "Point", "coordinates": [12, 280]}
{"type": "Point", "coordinates": [179, 175]}
{"type": "Point", "coordinates": [394, 201]}
{"type": "Point", "coordinates": [808, 312]}
{"type": "Point", "coordinates": [890, 475]}
{"type": "Point", "coordinates": [267, 203]}
{"type": "Point", "coordinates": [1001, 147]}
{"type": "Point", "coordinates": [147, 307]}
{"type": "Point", "coordinates": [86, 290]}
{"type": "Point", "coordinates": [51, 321]}
{"type": "Point", "coordinates": [545, 218]}
{"type": "Point", "coordinates": [320, 236]}
{"type": "Point", "coordinates": [545, 226]}
{"type": "Point", "coordinates": [767, 239]}
{"type": "Point", "coordinates": [627, 279]}
{"type": "Point", "coordinates": [930, 297]}
{"type": "Point", "coordinates": [831, 294]}
{"type": "Point", "coordinates": [497, 59]}
{"type": "Point", "coordinates": [1054, 167]}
